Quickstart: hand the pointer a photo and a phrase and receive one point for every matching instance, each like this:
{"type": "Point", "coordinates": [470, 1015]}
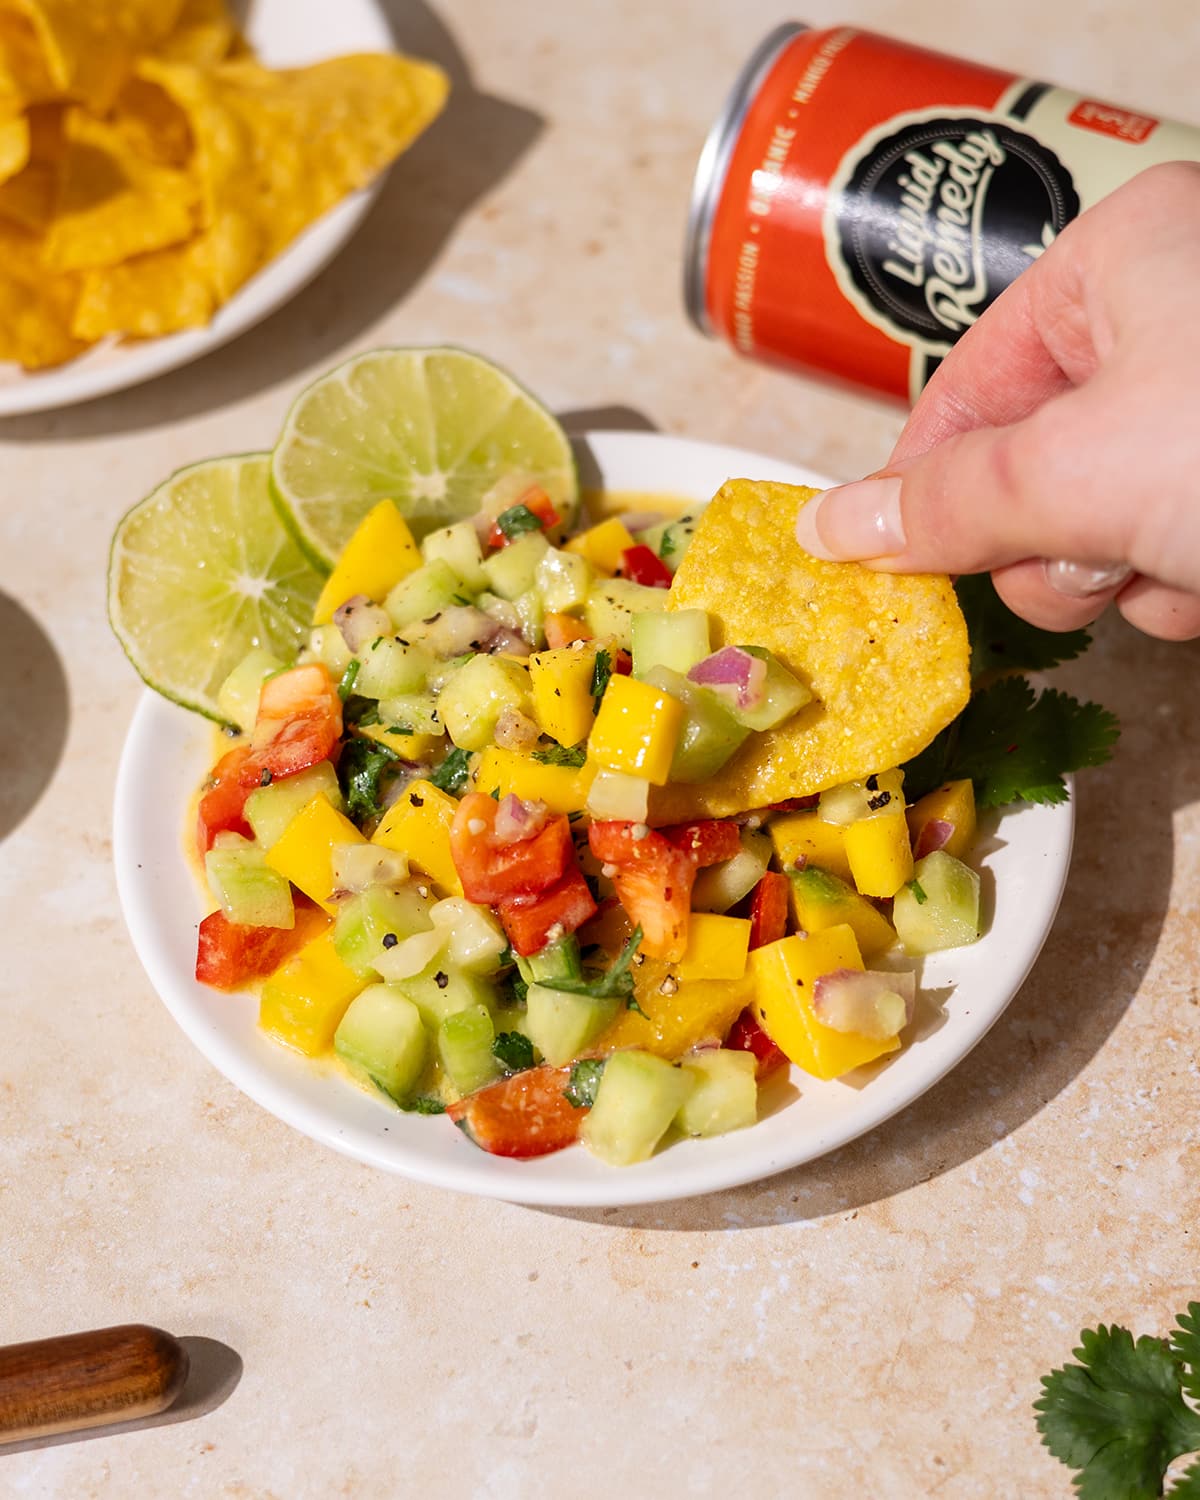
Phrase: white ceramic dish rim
{"type": "Point", "coordinates": [165, 756]}
{"type": "Point", "coordinates": [285, 33]}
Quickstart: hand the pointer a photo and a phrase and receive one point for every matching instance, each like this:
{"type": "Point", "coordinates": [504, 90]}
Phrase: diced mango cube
{"type": "Point", "coordinates": [953, 803]}
{"type": "Point", "coordinates": [303, 852]}
{"type": "Point", "coordinates": [676, 1014]}
{"type": "Point", "coordinates": [717, 947]}
{"type": "Point", "coordinates": [784, 974]}
{"type": "Point", "coordinates": [602, 545]}
{"type": "Point", "coordinates": [413, 746]}
{"type": "Point", "coordinates": [879, 853]}
{"type": "Point", "coordinates": [418, 824]}
{"type": "Point", "coordinates": [562, 692]}
{"type": "Point", "coordinates": [304, 1001]}
{"type": "Point", "coordinates": [804, 835]}
{"type": "Point", "coordinates": [564, 789]}
{"type": "Point", "coordinates": [820, 901]}
{"type": "Point", "coordinates": [379, 554]}
{"type": "Point", "coordinates": [636, 730]}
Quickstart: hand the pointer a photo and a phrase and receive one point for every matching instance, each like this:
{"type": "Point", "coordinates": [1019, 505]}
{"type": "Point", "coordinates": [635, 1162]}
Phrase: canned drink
{"type": "Point", "coordinates": [860, 202]}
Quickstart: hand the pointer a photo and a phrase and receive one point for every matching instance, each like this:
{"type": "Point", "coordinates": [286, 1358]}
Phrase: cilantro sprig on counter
{"type": "Point", "coordinates": [1126, 1411]}
{"type": "Point", "coordinates": [1012, 742]}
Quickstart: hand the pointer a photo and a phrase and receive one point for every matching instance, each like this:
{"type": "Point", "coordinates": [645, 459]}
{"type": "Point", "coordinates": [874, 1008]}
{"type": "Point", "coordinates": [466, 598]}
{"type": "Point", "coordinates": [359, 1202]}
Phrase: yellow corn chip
{"type": "Point", "coordinates": [27, 198]}
{"type": "Point", "coordinates": [14, 145]}
{"type": "Point", "coordinates": [111, 204]}
{"type": "Point", "coordinates": [36, 309]}
{"type": "Point", "coordinates": [885, 654]}
{"type": "Point", "coordinates": [204, 34]}
{"type": "Point", "coordinates": [152, 124]}
{"type": "Point", "coordinates": [88, 47]}
{"type": "Point", "coordinates": [273, 151]}
{"type": "Point", "coordinates": [24, 73]}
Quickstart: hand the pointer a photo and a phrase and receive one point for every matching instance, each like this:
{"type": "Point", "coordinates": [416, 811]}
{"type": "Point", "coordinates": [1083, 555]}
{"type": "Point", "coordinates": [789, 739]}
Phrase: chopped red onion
{"type": "Point", "coordinates": [361, 622]}
{"type": "Point", "coordinates": [458, 629]}
{"type": "Point", "coordinates": [508, 640]}
{"type": "Point", "coordinates": [872, 1003]}
{"type": "Point", "coordinates": [934, 835]}
{"type": "Point", "coordinates": [517, 820]}
{"type": "Point", "coordinates": [734, 674]}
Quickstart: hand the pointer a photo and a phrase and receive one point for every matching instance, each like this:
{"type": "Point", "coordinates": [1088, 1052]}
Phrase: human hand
{"type": "Point", "coordinates": [1064, 425]}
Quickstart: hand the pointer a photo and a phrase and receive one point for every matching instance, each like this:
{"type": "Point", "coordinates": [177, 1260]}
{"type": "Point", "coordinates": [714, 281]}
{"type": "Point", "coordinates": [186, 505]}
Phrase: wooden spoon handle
{"type": "Point", "coordinates": [87, 1379]}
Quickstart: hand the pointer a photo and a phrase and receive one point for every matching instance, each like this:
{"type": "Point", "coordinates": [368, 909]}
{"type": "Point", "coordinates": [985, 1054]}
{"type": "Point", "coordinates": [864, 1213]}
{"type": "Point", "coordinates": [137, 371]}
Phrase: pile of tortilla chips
{"type": "Point", "coordinates": [885, 654]}
{"type": "Point", "coordinates": [149, 165]}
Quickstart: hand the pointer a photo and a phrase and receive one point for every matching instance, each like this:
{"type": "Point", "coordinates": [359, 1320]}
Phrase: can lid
{"type": "Point", "coordinates": [714, 164]}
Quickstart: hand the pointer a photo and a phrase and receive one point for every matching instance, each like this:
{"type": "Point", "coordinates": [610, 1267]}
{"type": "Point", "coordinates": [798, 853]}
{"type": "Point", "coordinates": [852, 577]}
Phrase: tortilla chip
{"type": "Point", "coordinates": [204, 34]}
{"type": "Point", "coordinates": [88, 47]}
{"type": "Point", "coordinates": [885, 654]}
{"type": "Point", "coordinates": [111, 204]}
{"type": "Point", "coordinates": [25, 76]}
{"type": "Point", "coordinates": [274, 151]}
{"type": "Point", "coordinates": [36, 309]}
{"type": "Point", "coordinates": [14, 145]}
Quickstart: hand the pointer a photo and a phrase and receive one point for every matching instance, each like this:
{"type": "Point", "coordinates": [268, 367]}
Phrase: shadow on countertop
{"type": "Point", "coordinates": [464, 154]}
{"type": "Point", "coordinates": [34, 711]}
{"type": "Point", "coordinates": [1103, 941]}
{"type": "Point", "coordinates": [214, 1371]}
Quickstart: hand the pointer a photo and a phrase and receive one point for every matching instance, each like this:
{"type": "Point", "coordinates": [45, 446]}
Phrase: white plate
{"type": "Point", "coordinates": [285, 33]}
{"type": "Point", "coordinates": [165, 758]}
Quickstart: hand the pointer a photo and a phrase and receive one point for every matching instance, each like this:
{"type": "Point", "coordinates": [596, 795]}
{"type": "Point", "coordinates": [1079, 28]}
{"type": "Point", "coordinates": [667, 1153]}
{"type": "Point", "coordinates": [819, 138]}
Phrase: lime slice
{"type": "Point", "coordinates": [202, 571]}
{"type": "Point", "coordinates": [431, 429]}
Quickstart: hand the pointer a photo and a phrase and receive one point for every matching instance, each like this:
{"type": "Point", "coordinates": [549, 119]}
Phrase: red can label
{"type": "Point", "coordinates": [877, 198]}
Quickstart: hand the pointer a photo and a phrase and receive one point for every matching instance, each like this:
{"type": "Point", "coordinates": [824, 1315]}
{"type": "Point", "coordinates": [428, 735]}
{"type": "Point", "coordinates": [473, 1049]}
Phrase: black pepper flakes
{"type": "Point", "coordinates": [415, 801]}
{"type": "Point", "coordinates": [390, 940]}
{"type": "Point", "coordinates": [872, 783]}
{"type": "Point", "coordinates": [266, 778]}
{"type": "Point", "coordinates": [441, 979]}
{"type": "Point", "coordinates": [882, 800]}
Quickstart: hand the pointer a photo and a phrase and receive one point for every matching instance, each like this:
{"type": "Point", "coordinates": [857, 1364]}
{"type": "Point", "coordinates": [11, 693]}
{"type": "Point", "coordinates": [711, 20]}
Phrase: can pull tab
{"type": "Point", "coordinates": [88, 1379]}
{"type": "Point", "coordinates": [1081, 580]}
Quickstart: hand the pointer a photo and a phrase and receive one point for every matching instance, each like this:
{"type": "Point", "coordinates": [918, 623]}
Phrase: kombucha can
{"type": "Point", "coordinates": [860, 202]}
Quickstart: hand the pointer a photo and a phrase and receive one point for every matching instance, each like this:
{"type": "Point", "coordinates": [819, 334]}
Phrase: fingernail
{"type": "Point", "coordinates": [854, 521]}
{"type": "Point", "coordinates": [1080, 580]}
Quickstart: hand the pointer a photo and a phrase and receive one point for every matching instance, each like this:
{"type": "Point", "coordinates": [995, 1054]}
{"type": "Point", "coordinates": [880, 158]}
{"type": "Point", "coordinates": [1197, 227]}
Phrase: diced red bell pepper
{"type": "Point", "coordinates": [491, 871]}
{"type": "Point", "coordinates": [299, 720]}
{"type": "Point", "coordinates": [535, 500]}
{"type": "Point", "coordinates": [531, 921]}
{"type": "Point", "coordinates": [746, 1035]}
{"type": "Point", "coordinates": [524, 1115]}
{"type": "Point", "coordinates": [642, 565]}
{"type": "Point", "coordinates": [769, 909]}
{"type": "Point", "coordinates": [229, 956]}
{"type": "Point", "coordinates": [792, 804]}
{"type": "Point", "coordinates": [561, 630]}
{"type": "Point", "coordinates": [622, 662]}
{"type": "Point", "coordinates": [222, 804]}
{"type": "Point", "coordinates": [653, 881]}
{"type": "Point", "coordinates": [709, 842]}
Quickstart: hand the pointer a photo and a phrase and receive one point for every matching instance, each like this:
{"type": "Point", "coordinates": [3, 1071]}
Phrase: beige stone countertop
{"type": "Point", "coordinates": [872, 1324]}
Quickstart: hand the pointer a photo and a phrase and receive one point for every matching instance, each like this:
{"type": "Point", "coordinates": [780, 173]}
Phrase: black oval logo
{"type": "Point", "coordinates": [939, 217]}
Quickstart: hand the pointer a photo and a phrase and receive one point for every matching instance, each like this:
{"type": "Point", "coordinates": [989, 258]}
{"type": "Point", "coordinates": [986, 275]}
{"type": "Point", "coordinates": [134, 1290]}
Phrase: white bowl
{"type": "Point", "coordinates": [1025, 858]}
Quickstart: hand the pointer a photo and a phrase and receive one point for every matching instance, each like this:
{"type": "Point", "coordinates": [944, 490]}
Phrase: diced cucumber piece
{"type": "Point", "coordinates": [724, 1093]}
{"type": "Point", "coordinates": [423, 593]}
{"type": "Point", "coordinates": [328, 645]}
{"type": "Point", "coordinates": [366, 924]}
{"type": "Point", "coordinates": [531, 611]}
{"type": "Point", "coordinates": [477, 941]}
{"type": "Point", "coordinates": [852, 800]}
{"type": "Point", "coordinates": [504, 611]}
{"type": "Point", "coordinates": [464, 1043]}
{"type": "Point", "coordinates": [458, 546]}
{"type": "Point", "coordinates": [564, 580]}
{"type": "Point", "coordinates": [721, 886]}
{"type": "Point", "coordinates": [710, 733]}
{"type": "Point", "coordinates": [513, 570]}
{"type": "Point", "coordinates": [442, 990]}
{"type": "Point", "coordinates": [415, 711]}
{"type": "Point", "coordinates": [382, 1040]}
{"type": "Point", "coordinates": [939, 907]}
{"type": "Point", "coordinates": [270, 809]}
{"type": "Point", "coordinates": [561, 1025]}
{"type": "Point", "coordinates": [237, 697]}
{"type": "Point", "coordinates": [478, 693]}
{"type": "Point", "coordinates": [357, 866]}
{"type": "Point", "coordinates": [612, 604]}
{"type": "Point", "coordinates": [671, 539]}
{"type": "Point", "coordinates": [555, 961]}
{"type": "Point", "coordinates": [638, 1098]}
{"type": "Point", "coordinates": [389, 669]}
{"type": "Point", "coordinates": [677, 639]}
{"type": "Point", "coordinates": [248, 890]}
{"type": "Point", "coordinates": [783, 695]}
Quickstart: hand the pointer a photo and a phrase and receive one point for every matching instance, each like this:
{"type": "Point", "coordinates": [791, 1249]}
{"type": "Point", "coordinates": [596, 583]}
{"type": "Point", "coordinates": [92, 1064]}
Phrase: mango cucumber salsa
{"type": "Point", "coordinates": [430, 840]}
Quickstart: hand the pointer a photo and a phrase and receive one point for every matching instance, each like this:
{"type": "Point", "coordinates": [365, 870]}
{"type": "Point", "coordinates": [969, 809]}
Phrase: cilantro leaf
{"type": "Point", "coordinates": [1187, 1486]}
{"type": "Point", "coordinates": [1002, 641]}
{"type": "Point", "coordinates": [583, 1082]}
{"type": "Point", "coordinates": [614, 982]}
{"type": "Point", "coordinates": [424, 1104]}
{"type": "Point", "coordinates": [359, 710]}
{"type": "Point", "coordinates": [453, 773]}
{"type": "Point", "coordinates": [361, 767]}
{"type": "Point", "coordinates": [1118, 1416]}
{"type": "Point", "coordinates": [513, 1051]}
{"type": "Point", "coordinates": [517, 520]}
{"type": "Point", "coordinates": [555, 754]}
{"type": "Point", "coordinates": [1185, 1345]}
{"type": "Point", "coordinates": [346, 685]}
{"type": "Point", "coordinates": [918, 891]}
{"type": "Point", "coordinates": [1014, 745]}
{"type": "Point", "coordinates": [601, 672]}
